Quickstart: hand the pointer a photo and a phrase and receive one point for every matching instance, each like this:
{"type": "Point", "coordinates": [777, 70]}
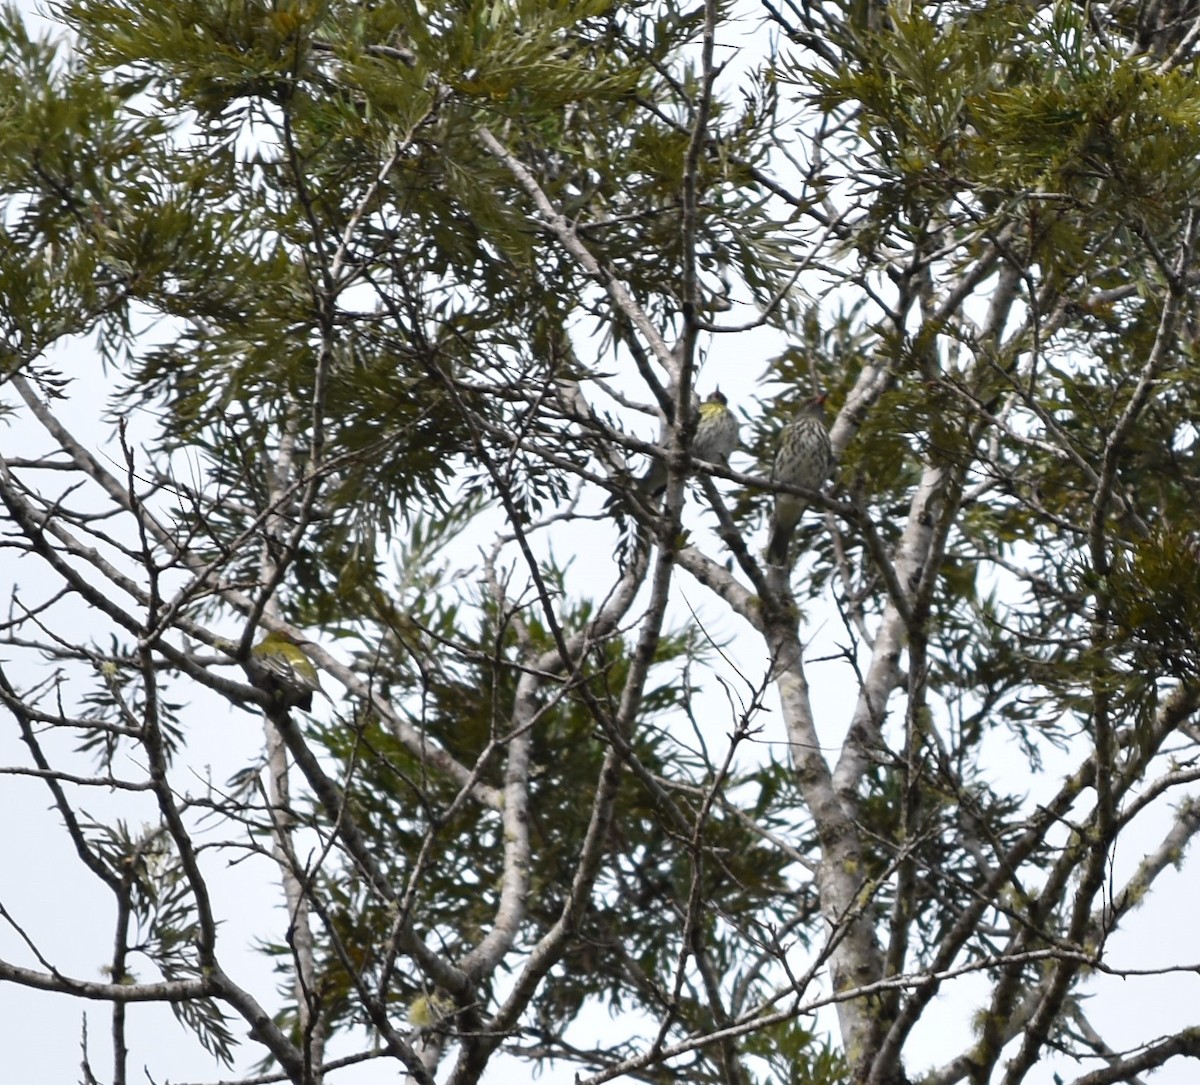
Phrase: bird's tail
{"type": "Point", "coordinates": [777, 547]}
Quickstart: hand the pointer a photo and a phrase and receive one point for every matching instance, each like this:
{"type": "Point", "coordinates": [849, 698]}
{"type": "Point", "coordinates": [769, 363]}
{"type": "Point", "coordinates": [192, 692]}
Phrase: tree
{"type": "Point", "coordinates": [372, 283]}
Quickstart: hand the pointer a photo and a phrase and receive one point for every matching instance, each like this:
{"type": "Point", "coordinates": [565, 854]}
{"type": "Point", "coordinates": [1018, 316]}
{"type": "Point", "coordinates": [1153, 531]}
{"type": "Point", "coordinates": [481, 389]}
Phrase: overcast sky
{"type": "Point", "coordinates": [50, 897]}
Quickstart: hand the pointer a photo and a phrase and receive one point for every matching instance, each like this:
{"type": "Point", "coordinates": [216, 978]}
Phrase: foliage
{"type": "Point", "coordinates": [385, 302]}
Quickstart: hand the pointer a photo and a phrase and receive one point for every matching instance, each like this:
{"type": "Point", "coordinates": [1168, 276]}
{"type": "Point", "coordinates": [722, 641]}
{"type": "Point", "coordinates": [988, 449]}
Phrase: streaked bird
{"type": "Point", "coordinates": [802, 459]}
{"type": "Point", "coordinates": [716, 437]}
{"type": "Point", "coordinates": [280, 668]}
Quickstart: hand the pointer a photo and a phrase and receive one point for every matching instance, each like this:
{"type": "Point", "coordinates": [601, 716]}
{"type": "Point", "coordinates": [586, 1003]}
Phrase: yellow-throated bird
{"type": "Point", "coordinates": [280, 668]}
{"type": "Point", "coordinates": [716, 437]}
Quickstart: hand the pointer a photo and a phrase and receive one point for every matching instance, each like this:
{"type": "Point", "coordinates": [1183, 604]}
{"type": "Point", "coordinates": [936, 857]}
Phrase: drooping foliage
{"type": "Point", "coordinates": [375, 311]}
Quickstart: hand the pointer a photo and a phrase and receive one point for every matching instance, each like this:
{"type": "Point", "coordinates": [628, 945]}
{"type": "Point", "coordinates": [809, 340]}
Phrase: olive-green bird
{"type": "Point", "coordinates": [280, 668]}
{"type": "Point", "coordinates": [716, 437]}
{"type": "Point", "coordinates": [802, 459]}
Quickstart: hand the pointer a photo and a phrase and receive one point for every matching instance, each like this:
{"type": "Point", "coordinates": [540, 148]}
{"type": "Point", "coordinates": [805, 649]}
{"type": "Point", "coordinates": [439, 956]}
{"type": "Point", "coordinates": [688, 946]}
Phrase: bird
{"type": "Point", "coordinates": [715, 438]}
{"type": "Point", "coordinates": [280, 668]}
{"type": "Point", "coordinates": [802, 459]}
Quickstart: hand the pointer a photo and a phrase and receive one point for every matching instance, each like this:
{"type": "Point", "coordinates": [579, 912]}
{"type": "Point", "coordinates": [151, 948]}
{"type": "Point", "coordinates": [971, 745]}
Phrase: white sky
{"type": "Point", "coordinates": [46, 892]}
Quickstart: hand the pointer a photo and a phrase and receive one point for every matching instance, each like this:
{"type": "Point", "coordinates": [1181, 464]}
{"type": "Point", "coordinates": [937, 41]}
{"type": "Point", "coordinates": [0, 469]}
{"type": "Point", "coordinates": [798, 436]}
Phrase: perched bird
{"type": "Point", "coordinates": [716, 437]}
{"type": "Point", "coordinates": [802, 459]}
{"type": "Point", "coordinates": [280, 668]}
